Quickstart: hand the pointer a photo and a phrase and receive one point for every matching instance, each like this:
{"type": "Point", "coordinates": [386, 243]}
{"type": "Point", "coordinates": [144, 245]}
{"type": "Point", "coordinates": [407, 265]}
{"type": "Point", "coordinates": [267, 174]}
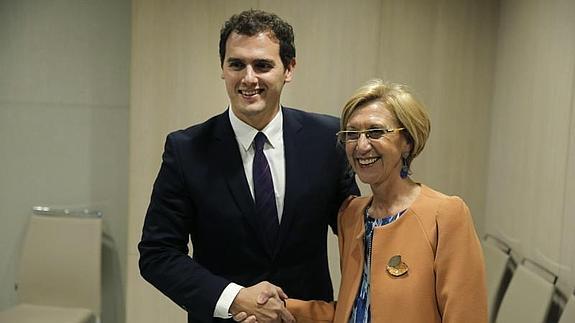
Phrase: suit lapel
{"type": "Point", "coordinates": [292, 136]}
{"type": "Point", "coordinates": [230, 162]}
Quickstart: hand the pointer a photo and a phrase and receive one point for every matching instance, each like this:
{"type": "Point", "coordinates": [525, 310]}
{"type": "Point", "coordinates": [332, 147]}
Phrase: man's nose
{"type": "Point", "coordinates": [250, 75]}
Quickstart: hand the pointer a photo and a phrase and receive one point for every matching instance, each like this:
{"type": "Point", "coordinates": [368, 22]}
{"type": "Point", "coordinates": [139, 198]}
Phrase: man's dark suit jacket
{"type": "Point", "coordinates": [201, 193]}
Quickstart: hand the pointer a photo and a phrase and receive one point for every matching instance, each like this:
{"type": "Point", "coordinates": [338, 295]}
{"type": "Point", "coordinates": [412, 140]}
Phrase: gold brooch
{"type": "Point", "coordinates": [396, 267]}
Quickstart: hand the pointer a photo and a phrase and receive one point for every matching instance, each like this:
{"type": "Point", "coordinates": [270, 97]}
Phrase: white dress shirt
{"type": "Point", "coordinates": [274, 152]}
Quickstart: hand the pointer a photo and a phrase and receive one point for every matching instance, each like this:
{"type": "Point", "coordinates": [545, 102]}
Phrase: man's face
{"type": "Point", "coordinates": [254, 77]}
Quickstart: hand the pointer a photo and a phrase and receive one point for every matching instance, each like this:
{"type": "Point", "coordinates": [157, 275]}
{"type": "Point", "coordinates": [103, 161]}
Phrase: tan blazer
{"type": "Point", "coordinates": [436, 239]}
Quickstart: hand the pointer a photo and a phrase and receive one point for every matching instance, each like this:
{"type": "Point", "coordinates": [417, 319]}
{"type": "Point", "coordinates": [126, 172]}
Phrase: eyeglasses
{"type": "Point", "coordinates": [346, 136]}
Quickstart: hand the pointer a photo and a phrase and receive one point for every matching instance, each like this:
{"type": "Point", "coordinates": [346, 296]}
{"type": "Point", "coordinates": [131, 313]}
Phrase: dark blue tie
{"type": "Point", "coordinates": [265, 199]}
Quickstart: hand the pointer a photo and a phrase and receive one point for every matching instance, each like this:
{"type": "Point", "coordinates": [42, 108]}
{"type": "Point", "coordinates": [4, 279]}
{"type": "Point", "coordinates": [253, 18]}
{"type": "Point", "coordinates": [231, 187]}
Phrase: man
{"type": "Point", "coordinates": [254, 188]}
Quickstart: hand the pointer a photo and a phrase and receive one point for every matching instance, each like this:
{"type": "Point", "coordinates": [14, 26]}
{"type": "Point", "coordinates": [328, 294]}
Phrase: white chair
{"type": "Point", "coordinates": [59, 276]}
{"type": "Point", "coordinates": [528, 296]}
{"type": "Point", "coordinates": [27, 313]}
{"type": "Point", "coordinates": [568, 315]}
{"type": "Point", "coordinates": [496, 260]}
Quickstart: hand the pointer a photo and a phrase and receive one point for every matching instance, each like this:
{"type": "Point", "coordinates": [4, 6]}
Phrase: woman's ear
{"type": "Point", "coordinates": [407, 147]}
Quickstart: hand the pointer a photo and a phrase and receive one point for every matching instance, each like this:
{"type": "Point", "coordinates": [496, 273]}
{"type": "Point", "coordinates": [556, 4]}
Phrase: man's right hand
{"type": "Point", "coordinates": [263, 302]}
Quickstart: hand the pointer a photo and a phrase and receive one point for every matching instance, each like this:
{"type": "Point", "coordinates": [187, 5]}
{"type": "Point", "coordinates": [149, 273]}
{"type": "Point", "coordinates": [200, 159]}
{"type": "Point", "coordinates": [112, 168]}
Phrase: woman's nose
{"type": "Point", "coordinates": [363, 143]}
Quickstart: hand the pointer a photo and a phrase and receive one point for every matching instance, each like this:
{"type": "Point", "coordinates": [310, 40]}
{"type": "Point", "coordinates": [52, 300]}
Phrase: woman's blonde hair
{"type": "Point", "coordinates": [402, 103]}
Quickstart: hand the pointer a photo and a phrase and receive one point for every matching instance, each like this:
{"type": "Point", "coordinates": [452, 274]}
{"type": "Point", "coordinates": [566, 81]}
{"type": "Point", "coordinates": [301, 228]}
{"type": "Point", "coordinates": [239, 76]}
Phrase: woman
{"type": "Point", "coordinates": [408, 253]}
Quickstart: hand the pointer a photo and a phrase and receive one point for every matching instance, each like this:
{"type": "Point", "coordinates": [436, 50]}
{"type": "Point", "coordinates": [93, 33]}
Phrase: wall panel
{"type": "Point", "coordinates": [64, 103]}
{"type": "Point", "coordinates": [529, 191]}
{"type": "Point", "coordinates": [445, 51]}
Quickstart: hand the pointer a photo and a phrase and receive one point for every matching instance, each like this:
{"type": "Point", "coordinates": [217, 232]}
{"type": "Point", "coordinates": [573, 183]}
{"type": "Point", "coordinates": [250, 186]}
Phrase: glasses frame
{"type": "Point", "coordinates": [367, 132]}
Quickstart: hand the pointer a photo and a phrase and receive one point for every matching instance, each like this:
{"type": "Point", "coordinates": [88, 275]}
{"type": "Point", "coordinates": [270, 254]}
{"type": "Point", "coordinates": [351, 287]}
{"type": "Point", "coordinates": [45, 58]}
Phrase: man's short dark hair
{"type": "Point", "coordinates": [252, 22]}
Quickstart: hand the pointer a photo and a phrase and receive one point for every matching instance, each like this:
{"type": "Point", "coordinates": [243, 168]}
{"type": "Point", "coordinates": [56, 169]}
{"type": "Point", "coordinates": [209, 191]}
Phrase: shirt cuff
{"type": "Point", "coordinates": [226, 299]}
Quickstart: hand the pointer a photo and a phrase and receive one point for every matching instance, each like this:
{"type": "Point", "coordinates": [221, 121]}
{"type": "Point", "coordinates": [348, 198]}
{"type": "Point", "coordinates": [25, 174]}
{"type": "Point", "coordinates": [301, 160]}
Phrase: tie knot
{"type": "Point", "coordinates": [259, 141]}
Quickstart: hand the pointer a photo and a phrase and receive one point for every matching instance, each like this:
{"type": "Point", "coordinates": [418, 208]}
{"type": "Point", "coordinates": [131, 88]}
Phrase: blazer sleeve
{"type": "Point", "coordinates": [311, 311]}
{"type": "Point", "coordinates": [164, 261]}
{"type": "Point", "coordinates": [460, 272]}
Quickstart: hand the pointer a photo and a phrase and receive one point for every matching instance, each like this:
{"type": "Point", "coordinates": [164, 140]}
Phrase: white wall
{"type": "Point", "coordinates": [499, 80]}
{"type": "Point", "coordinates": [531, 188]}
{"type": "Point", "coordinates": [64, 95]}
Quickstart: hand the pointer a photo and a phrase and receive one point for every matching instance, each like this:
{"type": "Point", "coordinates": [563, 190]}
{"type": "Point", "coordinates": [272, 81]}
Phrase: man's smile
{"type": "Point", "coordinates": [250, 93]}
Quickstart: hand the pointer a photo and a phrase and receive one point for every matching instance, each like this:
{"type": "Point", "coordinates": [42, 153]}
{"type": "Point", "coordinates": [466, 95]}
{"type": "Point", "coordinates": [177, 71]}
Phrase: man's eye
{"type": "Point", "coordinates": [236, 65]}
{"type": "Point", "coordinates": [263, 66]}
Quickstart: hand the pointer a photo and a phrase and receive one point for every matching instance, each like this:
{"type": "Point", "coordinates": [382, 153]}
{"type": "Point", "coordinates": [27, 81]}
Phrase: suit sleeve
{"type": "Point", "coordinates": [164, 260]}
{"type": "Point", "coordinates": [347, 184]}
{"type": "Point", "coordinates": [460, 271]}
{"type": "Point", "coordinates": [319, 311]}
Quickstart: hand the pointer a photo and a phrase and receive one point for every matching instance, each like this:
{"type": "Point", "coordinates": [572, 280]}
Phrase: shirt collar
{"type": "Point", "coordinates": [245, 133]}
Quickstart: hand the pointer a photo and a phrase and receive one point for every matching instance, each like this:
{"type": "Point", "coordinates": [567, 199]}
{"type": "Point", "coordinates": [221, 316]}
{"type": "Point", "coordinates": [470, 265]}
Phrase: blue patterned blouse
{"type": "Point", "coordinates": [360, 312]}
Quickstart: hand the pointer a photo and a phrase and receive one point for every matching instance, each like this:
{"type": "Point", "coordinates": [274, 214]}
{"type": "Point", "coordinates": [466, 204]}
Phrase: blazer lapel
{"type": "Point", "coordinates": [353, 268]}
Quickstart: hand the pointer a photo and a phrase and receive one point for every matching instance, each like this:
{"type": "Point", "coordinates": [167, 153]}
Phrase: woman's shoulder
{"type": "Point", "coordinates": [353, 203]}
{"type": "Point", "coordinates": [434, 199]}
{"type": "Point", "coordinates": [433, 206]}
{"type": "Point", "coordinates": [446, 210]}
{"type": "Point", "coordinates": [351, 207]}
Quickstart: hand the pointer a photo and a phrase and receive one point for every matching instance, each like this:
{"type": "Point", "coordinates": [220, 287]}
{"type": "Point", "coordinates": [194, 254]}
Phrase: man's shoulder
{"type": "Point", "coordinates": [206, 129]}
{"type": "Point", "coordinates": [312, 118]}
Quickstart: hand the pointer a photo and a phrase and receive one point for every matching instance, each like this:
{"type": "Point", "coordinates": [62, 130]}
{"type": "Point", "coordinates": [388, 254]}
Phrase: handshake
{"type": "Point", "coordinates": [260, 303]}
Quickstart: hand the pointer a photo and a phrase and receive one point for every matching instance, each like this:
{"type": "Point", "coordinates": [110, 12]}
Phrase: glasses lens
{"type": "Point", "coordinates": [352, 135]}
{"type": "Point", "coordinates": [375, 133]}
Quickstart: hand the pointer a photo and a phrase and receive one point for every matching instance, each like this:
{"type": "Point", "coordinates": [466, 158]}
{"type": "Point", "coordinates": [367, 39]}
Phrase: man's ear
{"type": "Point", "coordinates": [289, 71]}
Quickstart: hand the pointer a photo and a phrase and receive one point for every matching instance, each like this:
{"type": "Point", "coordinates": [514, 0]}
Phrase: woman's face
{"type": "Point", "coordinates": [376, 161]}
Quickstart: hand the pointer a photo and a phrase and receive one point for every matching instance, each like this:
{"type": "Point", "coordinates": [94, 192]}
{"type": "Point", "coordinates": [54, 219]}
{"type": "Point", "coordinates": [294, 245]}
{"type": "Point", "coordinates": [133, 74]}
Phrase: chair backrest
{"type": "Point", "coordinates": [60, 263]}
{"type": "Point", "coordinates": [568, 315]}
{"type": "Point", "coordinates": [496, 260]}
{"type": "Point", "coordinates": [527, 298]}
